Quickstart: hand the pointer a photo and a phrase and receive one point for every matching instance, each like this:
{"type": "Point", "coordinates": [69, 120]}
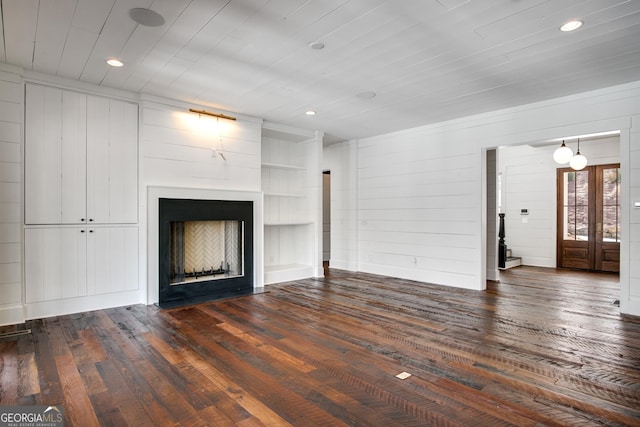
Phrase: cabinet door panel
{"type": "Point", "coordinates": [112, 161]}
{"type": "Point", "coordinates": [43, 148]}
{"type": "Point", "coordinates": [123, 162]}
{"type": "Point", "coordinates": [112, 260]}
{"type": "Point", "coordinates": [74, 157]}
{"type": "Point", "coordinates": [98, 159]}
{"type": "Point", "coordinates": [55, 156]}
{"type": "Point", "coordinates": [55, 265]}
{"type": "Point", "coordinates": [73, 277]}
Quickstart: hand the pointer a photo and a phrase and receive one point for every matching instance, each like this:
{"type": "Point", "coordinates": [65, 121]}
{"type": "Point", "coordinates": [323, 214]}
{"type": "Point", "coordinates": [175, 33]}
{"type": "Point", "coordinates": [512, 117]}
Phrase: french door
{"type": "Point", "coordinates": [589, 218]}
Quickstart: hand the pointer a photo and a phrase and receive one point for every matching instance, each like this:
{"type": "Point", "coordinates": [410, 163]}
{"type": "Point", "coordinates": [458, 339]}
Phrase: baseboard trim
{"type": "Point", "coordinates": [12, 315]}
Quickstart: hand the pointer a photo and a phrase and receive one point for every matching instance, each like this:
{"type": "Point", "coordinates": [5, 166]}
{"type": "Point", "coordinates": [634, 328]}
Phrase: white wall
{"type": "Point", "coordinates": [11, 107]}
{"type": "Point", "coordinates": [420, 200]}
{"type": "Point", "coordinates": [175, 155]}
{"type": "Point", "coordinates": [341, 160]}
{"type": "Point", "coordinates": [529, 182]}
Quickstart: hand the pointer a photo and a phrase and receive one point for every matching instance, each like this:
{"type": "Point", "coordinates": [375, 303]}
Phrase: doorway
{"type": "Point", "coordinates": [588, 212]}
{"type": "Point", "coordinates": [326, 218]}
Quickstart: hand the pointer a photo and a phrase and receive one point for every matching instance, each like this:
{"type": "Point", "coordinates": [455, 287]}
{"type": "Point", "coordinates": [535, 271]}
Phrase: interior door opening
{"type": "Point", "coordinates": [525, 180]}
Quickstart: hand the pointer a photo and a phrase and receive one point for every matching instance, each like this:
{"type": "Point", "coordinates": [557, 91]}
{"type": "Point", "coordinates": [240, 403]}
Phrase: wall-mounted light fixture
{"type": "Point", "coordinates": [209, 113]}
{"type": "Point", "coordinates": [215, 152]}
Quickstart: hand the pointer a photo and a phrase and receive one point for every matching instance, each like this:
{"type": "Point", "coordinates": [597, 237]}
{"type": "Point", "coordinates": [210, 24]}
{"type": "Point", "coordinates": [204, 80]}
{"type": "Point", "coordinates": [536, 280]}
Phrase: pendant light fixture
{"type": "Point", "coordinates": [578, 162]}
{"type": "Point", "coordinates": [563, 154]}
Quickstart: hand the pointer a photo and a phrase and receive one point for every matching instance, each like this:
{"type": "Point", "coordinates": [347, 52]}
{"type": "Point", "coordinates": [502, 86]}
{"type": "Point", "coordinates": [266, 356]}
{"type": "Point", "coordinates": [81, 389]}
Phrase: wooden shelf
{"type": "Point", "coordinates": [295, 195]}
{"type": "Point", "coordinates": [282, 166]}
{"type": "Point", "coordinates": [286, 223]}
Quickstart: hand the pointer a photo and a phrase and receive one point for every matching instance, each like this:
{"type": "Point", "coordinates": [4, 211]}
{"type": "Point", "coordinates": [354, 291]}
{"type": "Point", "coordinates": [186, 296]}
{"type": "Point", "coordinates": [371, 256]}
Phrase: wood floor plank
{"type": "Point", "coordinates": [77, 405]}
{"type": "Point", "coordinates": [28, 375]}
{"type": "Point", "coordinates": [9, 377]}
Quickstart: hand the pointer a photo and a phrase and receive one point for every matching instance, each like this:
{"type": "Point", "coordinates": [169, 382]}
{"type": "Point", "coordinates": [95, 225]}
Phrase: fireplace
{"type": "Point", "coordinates": [253, 251]}
{"type": "Point", "coordinates": [205, 250]}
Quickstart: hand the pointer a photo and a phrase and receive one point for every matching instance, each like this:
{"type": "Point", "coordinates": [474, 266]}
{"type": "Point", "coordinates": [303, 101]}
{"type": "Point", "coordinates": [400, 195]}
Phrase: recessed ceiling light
{"type": "Point", "coordinates": [146, 17]}
{"type": "Point", "coordinates": [115, 62]}
{"type": "Point", "coordinates": [571, 26]}
{"type": "Point", "coordinates": [310, 113]}
{"type": "Point", "coordinates": [316, 45]}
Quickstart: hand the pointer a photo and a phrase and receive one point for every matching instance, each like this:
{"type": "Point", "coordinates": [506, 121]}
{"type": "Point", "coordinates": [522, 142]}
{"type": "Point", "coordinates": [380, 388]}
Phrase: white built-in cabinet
{"type": "Point", "coordinates": [81, 195]}
{"type": "Point", "coordinates": [81, 158]}
{"type": "Point", "coordinates": [69, 262]}
{"type": "Point", "coordinates": [291, 183]}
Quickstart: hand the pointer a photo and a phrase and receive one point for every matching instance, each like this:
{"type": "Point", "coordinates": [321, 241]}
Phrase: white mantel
{"type": "Point", "coordinates": [154, 193]}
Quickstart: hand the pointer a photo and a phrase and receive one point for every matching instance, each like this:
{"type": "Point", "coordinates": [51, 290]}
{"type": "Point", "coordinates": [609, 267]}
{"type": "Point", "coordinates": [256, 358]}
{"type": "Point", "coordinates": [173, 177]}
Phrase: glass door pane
{"type": "Point", "coordinates": [611, 205]}
{"type": "Point", "coordinates": [576, 205]}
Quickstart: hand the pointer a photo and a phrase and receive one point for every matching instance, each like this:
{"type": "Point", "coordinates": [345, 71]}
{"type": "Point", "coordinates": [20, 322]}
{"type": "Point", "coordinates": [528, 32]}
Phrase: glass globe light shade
{"type": "Point", "coordinates": [578, 162]}
{"type": "Point", "coordinates": [563, 154]}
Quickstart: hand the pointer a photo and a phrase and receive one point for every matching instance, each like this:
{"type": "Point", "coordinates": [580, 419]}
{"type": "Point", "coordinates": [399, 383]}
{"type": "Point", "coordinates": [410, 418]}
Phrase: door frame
{"type": "Point", "coordinates": [592, 248]}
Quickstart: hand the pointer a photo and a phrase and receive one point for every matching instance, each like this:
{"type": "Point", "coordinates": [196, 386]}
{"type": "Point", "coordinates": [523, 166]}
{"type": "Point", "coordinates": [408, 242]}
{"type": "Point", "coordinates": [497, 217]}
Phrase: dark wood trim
{"type": "Point", "coordinates": [607, 254]}
{"type": "Point", "coordinates": [542, 347]}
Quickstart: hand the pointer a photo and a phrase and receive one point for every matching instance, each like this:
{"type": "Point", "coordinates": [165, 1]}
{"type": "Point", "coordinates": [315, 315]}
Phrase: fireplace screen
{"type": "Point", "coordinates": [205, 250]}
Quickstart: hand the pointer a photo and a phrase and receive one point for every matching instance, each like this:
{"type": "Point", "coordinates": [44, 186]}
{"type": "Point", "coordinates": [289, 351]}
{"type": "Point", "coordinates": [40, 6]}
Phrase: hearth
{"type": "Point", "coordinates": [205, 250]}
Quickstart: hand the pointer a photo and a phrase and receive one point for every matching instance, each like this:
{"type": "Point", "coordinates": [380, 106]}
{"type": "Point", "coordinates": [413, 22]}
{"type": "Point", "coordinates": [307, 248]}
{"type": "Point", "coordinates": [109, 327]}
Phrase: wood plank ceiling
{"type": "Point", "coordinates": [426, 60]}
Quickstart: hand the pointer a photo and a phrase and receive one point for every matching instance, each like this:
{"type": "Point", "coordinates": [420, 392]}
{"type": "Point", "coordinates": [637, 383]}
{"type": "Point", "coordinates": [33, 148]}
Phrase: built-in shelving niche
{"type": "Point", "coordinates": [291, 183]}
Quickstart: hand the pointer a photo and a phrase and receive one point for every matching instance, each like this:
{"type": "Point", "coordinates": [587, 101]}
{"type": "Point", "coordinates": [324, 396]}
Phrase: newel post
{"type": "Point", "coordinates": [502, 247]}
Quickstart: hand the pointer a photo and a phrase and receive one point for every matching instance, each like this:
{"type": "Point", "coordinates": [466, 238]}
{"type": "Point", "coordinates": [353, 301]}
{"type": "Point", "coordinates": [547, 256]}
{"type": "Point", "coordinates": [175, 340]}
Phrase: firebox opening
{"type": "Point", "coordinates": [205, 250]}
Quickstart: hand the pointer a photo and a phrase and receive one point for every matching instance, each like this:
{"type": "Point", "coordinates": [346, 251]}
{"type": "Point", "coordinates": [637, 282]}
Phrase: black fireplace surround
{"type": "Point", "coordinates": [176, 210]}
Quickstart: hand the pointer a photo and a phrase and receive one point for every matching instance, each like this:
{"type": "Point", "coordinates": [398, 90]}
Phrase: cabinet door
{"type": "Point", "coordinates": [112, 259]}
{"type": "Point", "coordinates": [43, 148]}
{"type": "Point", "coordinates": [112, 161]}
{"type": "Point", "coordinates": [98, 160]}
{"type": "Point", "coordinates": [74, 158]}
{"type": "Point", "coordinates": [55, 156]}
{"type": "Point", "coordinates": [55, 263]}
{"type": "Point", "coordinates": [123, 162]}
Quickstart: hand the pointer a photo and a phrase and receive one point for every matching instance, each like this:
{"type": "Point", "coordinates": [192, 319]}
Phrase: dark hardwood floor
{"type": "Point", "coordinates": [542, 347]}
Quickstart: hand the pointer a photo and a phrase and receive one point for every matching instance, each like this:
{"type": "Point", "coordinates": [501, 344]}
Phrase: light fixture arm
{"type": "Point", "coordinates": [208, 113]}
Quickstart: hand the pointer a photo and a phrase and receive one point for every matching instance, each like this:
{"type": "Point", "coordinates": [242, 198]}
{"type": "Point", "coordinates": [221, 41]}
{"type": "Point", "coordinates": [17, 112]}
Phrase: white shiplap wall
{"type": "Point", "coordinates": [419, 191]}
{"type": "Point", "coordinates": [417, 196]}
{"type": "Point", "coordinates": [630, 157]}
{"type": "Point", "coordinates": [529, 182]}
{"type": "Point", "coordinates": [176, 154]}
{"type": "Point", "coordinates": [341, 160]}
{"type": "Point", "coordinates": [10, 197]}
